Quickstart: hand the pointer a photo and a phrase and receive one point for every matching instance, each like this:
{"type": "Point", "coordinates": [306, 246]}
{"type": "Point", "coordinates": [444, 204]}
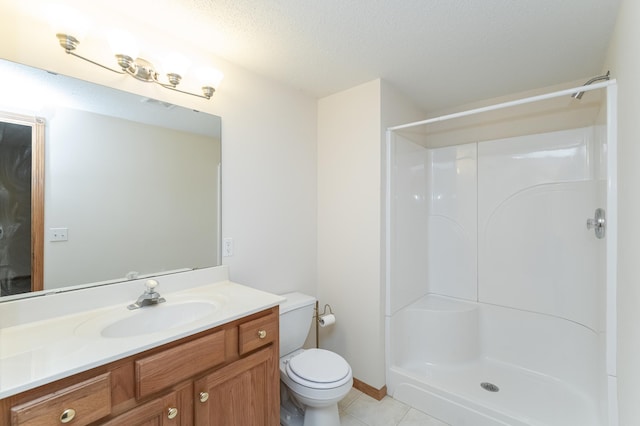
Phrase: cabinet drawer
{"type": "Point", "coordinates": [161, 411]}
{"type": "Point", "coordinates": [166, 368]}
{"type": "Point", "coordinates": [257, 333]}
{"type": "Point", "coordinates": [78, 405]}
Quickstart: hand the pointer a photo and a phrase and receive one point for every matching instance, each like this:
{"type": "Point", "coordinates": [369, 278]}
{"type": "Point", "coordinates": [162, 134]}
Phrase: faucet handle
{"type": "Point", "coordinates": [149, 297]}
{"type": "Point", "coordinates": [151, 285]}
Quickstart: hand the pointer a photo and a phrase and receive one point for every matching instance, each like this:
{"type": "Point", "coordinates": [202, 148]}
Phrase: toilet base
{"type": "Point", "coordinates": [311, 416]}
{"type": "Point", "coordinates": [325, 416]}
{"type": "Point", "coordinates": [291, 415]}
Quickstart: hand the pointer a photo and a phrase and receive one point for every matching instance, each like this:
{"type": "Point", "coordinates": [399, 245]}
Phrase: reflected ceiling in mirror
{"type": "Point", "coordinates": [134, 182]}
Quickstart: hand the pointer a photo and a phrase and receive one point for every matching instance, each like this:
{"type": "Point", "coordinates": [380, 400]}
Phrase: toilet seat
{"type": "Point", "coordinates": [318, 369]}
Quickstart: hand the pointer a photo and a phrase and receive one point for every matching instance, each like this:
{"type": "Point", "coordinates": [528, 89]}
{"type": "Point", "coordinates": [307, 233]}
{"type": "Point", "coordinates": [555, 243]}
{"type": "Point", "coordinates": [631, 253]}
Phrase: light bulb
{"type": "Point", "coordinates": [175, 63]}
{"type": "Point", "coordinates": [210, 77]}
{"type": "Point", "coordinates": [68, 21]}
{"type": "Point", "coordinates": [123, 43]}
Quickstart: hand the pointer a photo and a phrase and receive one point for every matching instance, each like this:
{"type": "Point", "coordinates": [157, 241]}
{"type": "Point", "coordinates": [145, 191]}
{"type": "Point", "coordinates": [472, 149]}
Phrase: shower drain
{"type": "Point", "coordinates": [489, 387]}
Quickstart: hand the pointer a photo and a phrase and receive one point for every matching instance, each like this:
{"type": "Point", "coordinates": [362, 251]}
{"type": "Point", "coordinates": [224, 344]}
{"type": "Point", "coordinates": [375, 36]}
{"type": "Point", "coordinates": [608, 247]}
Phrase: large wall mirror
{"type": "Point", "coordinates": [131, 185]}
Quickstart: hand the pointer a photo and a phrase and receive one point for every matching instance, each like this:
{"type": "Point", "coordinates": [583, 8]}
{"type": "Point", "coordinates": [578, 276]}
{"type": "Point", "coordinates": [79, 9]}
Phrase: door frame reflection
{"type": "Point", "coordinates": [37, 125]}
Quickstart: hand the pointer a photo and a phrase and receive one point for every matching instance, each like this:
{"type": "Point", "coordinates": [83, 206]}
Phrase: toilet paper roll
{"type": "Point", "coordinates": [326, 320]}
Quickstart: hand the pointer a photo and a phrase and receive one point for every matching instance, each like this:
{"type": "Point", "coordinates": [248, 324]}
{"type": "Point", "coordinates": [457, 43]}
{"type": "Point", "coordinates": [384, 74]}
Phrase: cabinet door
{"type": "Point", "coordinates": [173, 409]}
{"type": "Point", "coordinates": [245, 393]}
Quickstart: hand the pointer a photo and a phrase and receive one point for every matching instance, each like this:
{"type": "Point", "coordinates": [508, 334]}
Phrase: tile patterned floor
{"type": "Point", "coordinates": [359, 409]}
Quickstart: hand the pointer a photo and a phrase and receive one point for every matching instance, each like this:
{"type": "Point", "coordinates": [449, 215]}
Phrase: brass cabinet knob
{"type": "Point", "coordinates": [262, 334]}
{"type": "Point", "coordinates": [172, 413]}
{"type": "Point", "coordinates": [67, 415]}
{"type": "Point", "coordinates": [204, 396]}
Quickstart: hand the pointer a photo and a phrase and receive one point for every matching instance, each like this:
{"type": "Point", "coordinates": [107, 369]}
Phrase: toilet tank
{"type": "Point", "coordinates": [296, 315]}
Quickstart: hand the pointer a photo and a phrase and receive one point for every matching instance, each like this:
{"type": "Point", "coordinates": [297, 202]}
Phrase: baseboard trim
{"type": "Point", "coordinates": [374, 393]}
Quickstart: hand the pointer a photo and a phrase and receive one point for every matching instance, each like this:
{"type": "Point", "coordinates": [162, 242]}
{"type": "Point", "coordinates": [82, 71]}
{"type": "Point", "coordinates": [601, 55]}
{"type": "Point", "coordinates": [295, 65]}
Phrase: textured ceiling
{"type": "Point", "coordinates": [442, 53]}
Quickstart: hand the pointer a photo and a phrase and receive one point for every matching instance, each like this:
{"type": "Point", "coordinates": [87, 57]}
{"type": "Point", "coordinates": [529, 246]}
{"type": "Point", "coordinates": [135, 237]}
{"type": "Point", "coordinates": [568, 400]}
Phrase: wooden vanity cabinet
{"type": "Point", "coordinates": [228, 375]}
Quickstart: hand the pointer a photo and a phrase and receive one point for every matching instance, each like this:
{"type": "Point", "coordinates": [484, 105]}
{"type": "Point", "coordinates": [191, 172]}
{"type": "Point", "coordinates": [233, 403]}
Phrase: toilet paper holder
{"type": "Point", "coordinates": [317, 316]}
{"type": "Point", "coordinates": [324, 312]}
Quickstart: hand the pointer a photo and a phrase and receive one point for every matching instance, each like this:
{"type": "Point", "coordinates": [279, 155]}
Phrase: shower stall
{"type": "Point", "coordinates": [501, 251]}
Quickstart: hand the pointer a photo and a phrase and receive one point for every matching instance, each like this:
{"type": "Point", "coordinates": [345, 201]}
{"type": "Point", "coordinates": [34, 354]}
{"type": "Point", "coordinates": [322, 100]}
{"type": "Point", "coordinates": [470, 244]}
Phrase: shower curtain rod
{"type": "Point", "coordinates": [522, 101]}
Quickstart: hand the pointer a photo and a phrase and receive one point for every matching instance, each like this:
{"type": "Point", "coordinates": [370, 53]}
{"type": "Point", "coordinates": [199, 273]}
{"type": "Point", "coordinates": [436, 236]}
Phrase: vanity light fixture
{"type": "Point", "coordinates": [141, 69]}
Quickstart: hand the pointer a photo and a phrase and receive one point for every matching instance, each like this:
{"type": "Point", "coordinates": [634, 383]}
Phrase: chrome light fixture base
{"type": "Point", "coordinates": [174, 79]}
{"type": "Point", "coordinates": [208, 91]}
{"type": "Point", "coordinates": [126, 63]}
{"type": "Point", "coordinates": [68, 42]}
{"type": "Point", "coordinates": [138, 68]}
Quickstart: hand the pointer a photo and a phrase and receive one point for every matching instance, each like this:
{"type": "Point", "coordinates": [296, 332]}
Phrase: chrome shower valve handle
{"type": "Point", "coordinates": [598, 223]}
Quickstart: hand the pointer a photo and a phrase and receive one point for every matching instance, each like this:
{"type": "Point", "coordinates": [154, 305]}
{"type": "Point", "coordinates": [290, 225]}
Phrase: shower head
{"type": "Point", "coordinates": [578, 95]}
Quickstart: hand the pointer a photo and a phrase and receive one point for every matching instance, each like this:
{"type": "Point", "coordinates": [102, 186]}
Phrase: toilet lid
{"type": "Point", "coordinates": [319, 368]}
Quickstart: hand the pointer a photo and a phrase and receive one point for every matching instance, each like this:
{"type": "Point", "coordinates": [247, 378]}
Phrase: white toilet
{"type": "Point", "coordinates": [312, 381]}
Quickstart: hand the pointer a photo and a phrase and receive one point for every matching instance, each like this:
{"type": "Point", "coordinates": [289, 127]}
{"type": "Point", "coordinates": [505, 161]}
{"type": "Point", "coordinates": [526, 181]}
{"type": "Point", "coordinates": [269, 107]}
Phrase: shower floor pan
{"type": "Point", "coordinates": [453, 394]}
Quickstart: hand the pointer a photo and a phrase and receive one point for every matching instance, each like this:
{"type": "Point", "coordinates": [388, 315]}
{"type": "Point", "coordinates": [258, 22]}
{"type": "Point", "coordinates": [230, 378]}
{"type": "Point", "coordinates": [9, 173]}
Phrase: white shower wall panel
{"type": "Point", "coordinates": [535, 253]}
{"type": "Point", "coordinates": [600, 153]}
{"type": "Point", "coordinates": [409, 227]}
{"type": "Point", "coordinates": [507, 166]}
{"type": "Point", "coordinates": [452, 223]}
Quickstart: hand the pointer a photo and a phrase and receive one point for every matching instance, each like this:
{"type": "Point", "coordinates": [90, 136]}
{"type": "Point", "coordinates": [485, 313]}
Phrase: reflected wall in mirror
{"type": "Point", "coordinates": [133, 183]}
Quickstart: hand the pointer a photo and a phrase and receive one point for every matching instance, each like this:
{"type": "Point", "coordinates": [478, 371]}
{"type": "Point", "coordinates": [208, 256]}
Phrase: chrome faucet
{"type": "Point", "coordinates": [149, 297]}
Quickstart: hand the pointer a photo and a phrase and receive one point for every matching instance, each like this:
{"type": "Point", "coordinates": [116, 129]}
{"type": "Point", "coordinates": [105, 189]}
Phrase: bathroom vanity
{"type": "Point", "coordinates": [217, 369]}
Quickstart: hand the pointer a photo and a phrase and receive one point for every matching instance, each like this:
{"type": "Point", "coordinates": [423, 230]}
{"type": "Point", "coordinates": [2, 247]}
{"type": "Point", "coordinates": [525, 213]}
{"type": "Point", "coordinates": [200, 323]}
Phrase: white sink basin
{"type": "Point", "coordinates": [152, 319]}
{"type": "Point", "coordinates": [121, 322]}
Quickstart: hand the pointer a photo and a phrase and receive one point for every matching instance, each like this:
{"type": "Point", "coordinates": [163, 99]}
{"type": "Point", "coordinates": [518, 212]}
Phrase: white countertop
{"type": "Point", "coordinates": [40, 352]}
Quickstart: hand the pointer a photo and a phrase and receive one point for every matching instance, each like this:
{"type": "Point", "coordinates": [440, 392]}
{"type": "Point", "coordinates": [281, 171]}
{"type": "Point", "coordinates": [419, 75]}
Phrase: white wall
{"type": "Point", "coordinates": [268, 150]}
{"type": "Point", "coordinates": [349, 161]}
{"type": "Point", "coordinates": [624, 63]}
{"type": "Point", "coordinates": [350, 220]}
